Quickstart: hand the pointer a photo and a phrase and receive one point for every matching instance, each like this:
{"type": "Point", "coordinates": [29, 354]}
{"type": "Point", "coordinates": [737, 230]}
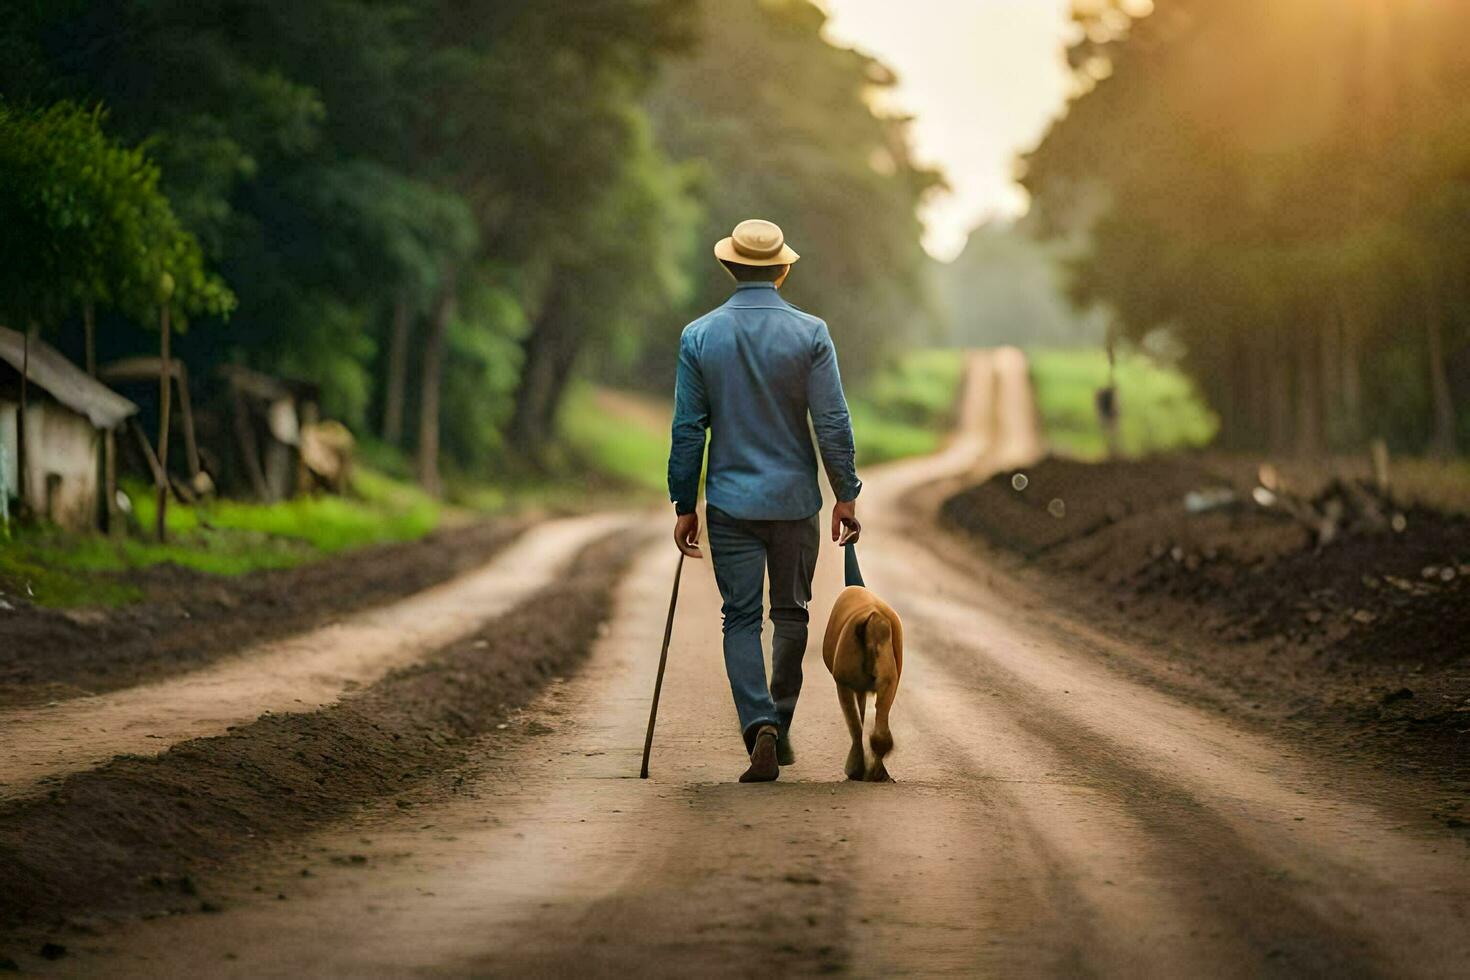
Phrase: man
{"type": "Point", "coordinates": [750, 372]}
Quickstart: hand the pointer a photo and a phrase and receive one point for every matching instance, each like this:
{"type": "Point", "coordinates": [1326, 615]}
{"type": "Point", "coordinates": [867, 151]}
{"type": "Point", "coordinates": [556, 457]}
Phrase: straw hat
{"type": "Point", "coordinates": [756, 242]}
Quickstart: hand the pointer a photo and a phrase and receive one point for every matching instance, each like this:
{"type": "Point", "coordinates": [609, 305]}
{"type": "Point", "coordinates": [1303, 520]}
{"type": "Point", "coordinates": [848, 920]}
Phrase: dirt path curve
{"type": "Point", "coordinates": [1052, 818]}
{"type": "Point", "coordinates": [310, 670]}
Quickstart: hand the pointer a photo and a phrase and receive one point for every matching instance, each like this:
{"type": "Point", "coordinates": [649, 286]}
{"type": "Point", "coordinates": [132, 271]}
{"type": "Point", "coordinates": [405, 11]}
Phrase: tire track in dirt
{"type": "Point", "coordinates": [306, 671]}
{"type": "Point", "coordinates": [142, 836]}
{"type": "Point", "coordinates": [1279, 854]}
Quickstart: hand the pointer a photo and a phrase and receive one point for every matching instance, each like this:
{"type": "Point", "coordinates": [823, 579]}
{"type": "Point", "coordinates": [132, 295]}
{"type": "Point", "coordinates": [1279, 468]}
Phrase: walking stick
{"type": "Point", "coordinates": [663, 659]}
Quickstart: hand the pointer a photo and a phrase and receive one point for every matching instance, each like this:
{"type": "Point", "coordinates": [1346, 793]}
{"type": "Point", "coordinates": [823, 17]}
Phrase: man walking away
{"type": "Point", "coordinates": [751, 372]}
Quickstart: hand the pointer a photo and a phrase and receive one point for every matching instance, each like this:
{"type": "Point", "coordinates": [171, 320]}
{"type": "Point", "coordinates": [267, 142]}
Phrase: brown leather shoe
{"type": "Point", "coordinates": [763, 765]}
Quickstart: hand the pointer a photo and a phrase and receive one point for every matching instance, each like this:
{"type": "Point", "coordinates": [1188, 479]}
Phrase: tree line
{"type": "Point", "coordinates": [1285, 189]}
{"type": "Point", "coordinates": [440, 211]}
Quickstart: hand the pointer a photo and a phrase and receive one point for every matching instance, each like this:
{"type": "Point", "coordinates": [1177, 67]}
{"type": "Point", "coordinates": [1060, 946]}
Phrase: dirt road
{"type": "Point", "coordinates": [314, 669]}
{"type": "Point", "coordinates": [1053, 815]}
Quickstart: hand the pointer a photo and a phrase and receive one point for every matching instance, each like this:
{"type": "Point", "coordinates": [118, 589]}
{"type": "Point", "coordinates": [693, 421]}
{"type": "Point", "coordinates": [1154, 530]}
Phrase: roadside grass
{"type": "Point", "coordinates": [908, 407]}
{"type": "Point", "coordinates": [222, 537]}
{"type": "Point", "coordinates": [1159, 409]}
{"type": "Point", "coordinates": [620, 434]}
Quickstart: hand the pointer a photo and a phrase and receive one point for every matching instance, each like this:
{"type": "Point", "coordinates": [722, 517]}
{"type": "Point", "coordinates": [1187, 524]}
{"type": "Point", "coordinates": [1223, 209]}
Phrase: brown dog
{"type": "Point", "coordinates": [863, 648]}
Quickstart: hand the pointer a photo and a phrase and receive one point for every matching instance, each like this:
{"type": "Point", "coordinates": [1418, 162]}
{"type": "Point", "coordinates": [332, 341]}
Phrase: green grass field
{"type": "Point", "coordinates": [619, 434]}
{"type": "Point", "coordinates": [1159, 409]}
{"type": "Point", "coordinates": [907, 408]}
{"type": "Point", "coordinates": [223, 537]}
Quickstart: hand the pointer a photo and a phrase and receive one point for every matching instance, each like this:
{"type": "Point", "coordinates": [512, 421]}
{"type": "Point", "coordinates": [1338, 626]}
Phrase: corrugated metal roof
{"type": "Point", "coordinates": [64, 381]}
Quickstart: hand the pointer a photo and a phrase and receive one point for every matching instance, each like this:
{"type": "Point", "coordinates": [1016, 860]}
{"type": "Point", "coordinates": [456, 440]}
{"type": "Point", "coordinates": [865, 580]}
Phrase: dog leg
{"type": "Point", "coordinates": [851, 702]}
{"type": "Point", "coordinates": [882, 738]}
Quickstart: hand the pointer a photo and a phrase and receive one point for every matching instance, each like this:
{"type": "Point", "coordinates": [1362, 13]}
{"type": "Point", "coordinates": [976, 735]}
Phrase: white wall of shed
{"type": "Point", "coordinates": [9, 461]}
{"type": "Point", "coordinates": [61, 444]}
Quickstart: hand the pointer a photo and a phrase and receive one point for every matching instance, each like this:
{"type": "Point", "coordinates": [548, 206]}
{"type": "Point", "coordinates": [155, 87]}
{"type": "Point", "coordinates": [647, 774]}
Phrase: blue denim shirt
{"type": "Point", "coordinates": [750, 372]}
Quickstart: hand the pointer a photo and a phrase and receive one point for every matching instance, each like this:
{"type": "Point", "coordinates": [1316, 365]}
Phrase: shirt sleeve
{"type": "Point", "coordinates": [691, 419]}
{"type": "Point", "coordinates": [830, 418]}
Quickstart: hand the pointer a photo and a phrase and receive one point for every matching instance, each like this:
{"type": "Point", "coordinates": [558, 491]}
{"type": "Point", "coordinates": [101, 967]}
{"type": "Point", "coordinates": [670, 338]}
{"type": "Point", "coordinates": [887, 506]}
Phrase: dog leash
{"type": "Point", "coordinates": [851, 574]}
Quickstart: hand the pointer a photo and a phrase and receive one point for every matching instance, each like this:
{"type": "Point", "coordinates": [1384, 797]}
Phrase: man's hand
{"type": "Point", "coordinates": [686, 534]}
{"type": "Point", "coordinates": [845, 526]}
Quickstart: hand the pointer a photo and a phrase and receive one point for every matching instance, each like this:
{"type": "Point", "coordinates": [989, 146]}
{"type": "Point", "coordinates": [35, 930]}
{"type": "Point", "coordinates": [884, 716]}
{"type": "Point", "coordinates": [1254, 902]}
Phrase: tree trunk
{"type": "Point", "coordinates": [89, 327]}
{"type": "Point", "coordinates": [1329, 391]}
{"type": "Point", "coordinates": [22, 454]}
{"type": "Point", "coordinates": [110, 522]}
{"type": "Point", "coordinates": [397, 373]}
{"type": "Point", "coordinates": [1258, 403]}
{"type": "Point", "coordinates": [551, 351]}
{"type": "Point", "coordinates": [1234, 398]}
{"type": "Point", "coordinates": [1278, 417]}
{"type": "Point", "coordinates": [1308, 400]}
{"type": "Point", "coordinates": [1351, 375]}
{"type": "Point", "coordinates": [89, 330]}
{"type": "Point", "coordinates": [1442, 440]}
{"type": "Point", "coordinates": [433, 376]}
{"type": "Point", "coordinates": [165, 397]}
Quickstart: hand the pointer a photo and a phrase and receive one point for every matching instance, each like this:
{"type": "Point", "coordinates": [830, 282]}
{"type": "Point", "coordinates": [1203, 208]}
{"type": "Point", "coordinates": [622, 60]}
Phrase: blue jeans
{"type": "Point", "coordinates": [743, 552]}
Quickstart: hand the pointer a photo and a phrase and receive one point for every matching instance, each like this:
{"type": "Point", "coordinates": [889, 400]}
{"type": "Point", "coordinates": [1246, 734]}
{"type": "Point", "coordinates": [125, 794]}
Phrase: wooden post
{"type": "Point", "coordinates": [89, 325]}
{"type": "Point", "coordinates": [397, 373]}
{"type": "Point", "coordinates": [22, 460]}
{"type": "Point", "coordinates": [165, 391]}
{"type": "Point", "coordinates": [109, 482]}
{"type": "Point", "coordinates": [186, 415]}
{"type": "Point", "coordinates": [249, 446]}
{"type": "Point", "coordinates": [146, 448]}
{"type": "Point", "coordinates": [433, 374]}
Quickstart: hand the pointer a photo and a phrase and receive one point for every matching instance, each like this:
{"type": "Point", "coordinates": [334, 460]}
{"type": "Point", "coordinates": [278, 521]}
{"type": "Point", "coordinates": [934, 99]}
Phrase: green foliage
{"type": "Point", "coordinates": [82, 221]}
{"type": "Point", "coordinates": [501, 170]}
{"type": "Point", "coordinates": [1159, 408]}
{"type": "Point", "coordinates": [616, 436]}
{"type": "Point", "coordinates": [908, 406]}
{"type": "Point", "coordinates": [1293, 214]}
{"type": "Point", "coordinates": [781, 125]}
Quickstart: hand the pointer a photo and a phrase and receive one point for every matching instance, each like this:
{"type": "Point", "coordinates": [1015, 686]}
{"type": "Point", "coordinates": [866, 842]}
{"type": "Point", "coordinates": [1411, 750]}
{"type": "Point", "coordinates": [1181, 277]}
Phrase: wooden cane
{"type": "Point", "coordinates": [663, 659]}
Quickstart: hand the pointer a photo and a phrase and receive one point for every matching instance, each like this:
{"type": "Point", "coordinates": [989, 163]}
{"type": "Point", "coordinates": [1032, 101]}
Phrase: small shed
{"type": "Point", "coordinates": [70, 417]}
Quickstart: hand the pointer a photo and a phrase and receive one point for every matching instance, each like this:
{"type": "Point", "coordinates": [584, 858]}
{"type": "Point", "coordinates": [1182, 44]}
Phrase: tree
{"type": "Point", "coordinates": [348, 159]}
{"type": "Point", "coordinates": [1286, 212]}
{"type": "Point", "coordinates": [781, 124]}
{"type": "Point", "coordinates": [82, 221]}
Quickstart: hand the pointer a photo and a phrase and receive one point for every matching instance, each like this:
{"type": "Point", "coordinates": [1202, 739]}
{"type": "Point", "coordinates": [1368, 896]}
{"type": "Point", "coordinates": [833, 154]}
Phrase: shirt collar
{"type": "Point", "coordinates": [756, 295]}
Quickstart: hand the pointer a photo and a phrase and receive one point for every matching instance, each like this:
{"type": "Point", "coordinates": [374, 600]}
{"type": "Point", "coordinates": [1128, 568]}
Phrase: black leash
{"type": "Point", "coordinates": [851, 574]}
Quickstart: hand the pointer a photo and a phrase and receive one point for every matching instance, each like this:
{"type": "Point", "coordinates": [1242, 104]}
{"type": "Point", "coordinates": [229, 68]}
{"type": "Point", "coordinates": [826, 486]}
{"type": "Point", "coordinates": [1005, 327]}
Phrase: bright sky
{"type": "Point", "coordinates": [983, 78]}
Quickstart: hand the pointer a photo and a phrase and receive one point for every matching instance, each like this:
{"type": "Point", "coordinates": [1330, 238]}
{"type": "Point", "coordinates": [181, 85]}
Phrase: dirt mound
{"type": "Point", "coordinates": [137, 836]}
{"type": "Point", "coordinates": [1338, 605]}
{"type": "Point", "coordinates": [190, 619]}
{"type": "Point", "coordinates": [1395, 588]}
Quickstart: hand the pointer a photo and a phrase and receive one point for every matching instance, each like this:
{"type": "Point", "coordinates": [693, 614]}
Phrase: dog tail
{"type": "Point", "coordinates": [878, 639]}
